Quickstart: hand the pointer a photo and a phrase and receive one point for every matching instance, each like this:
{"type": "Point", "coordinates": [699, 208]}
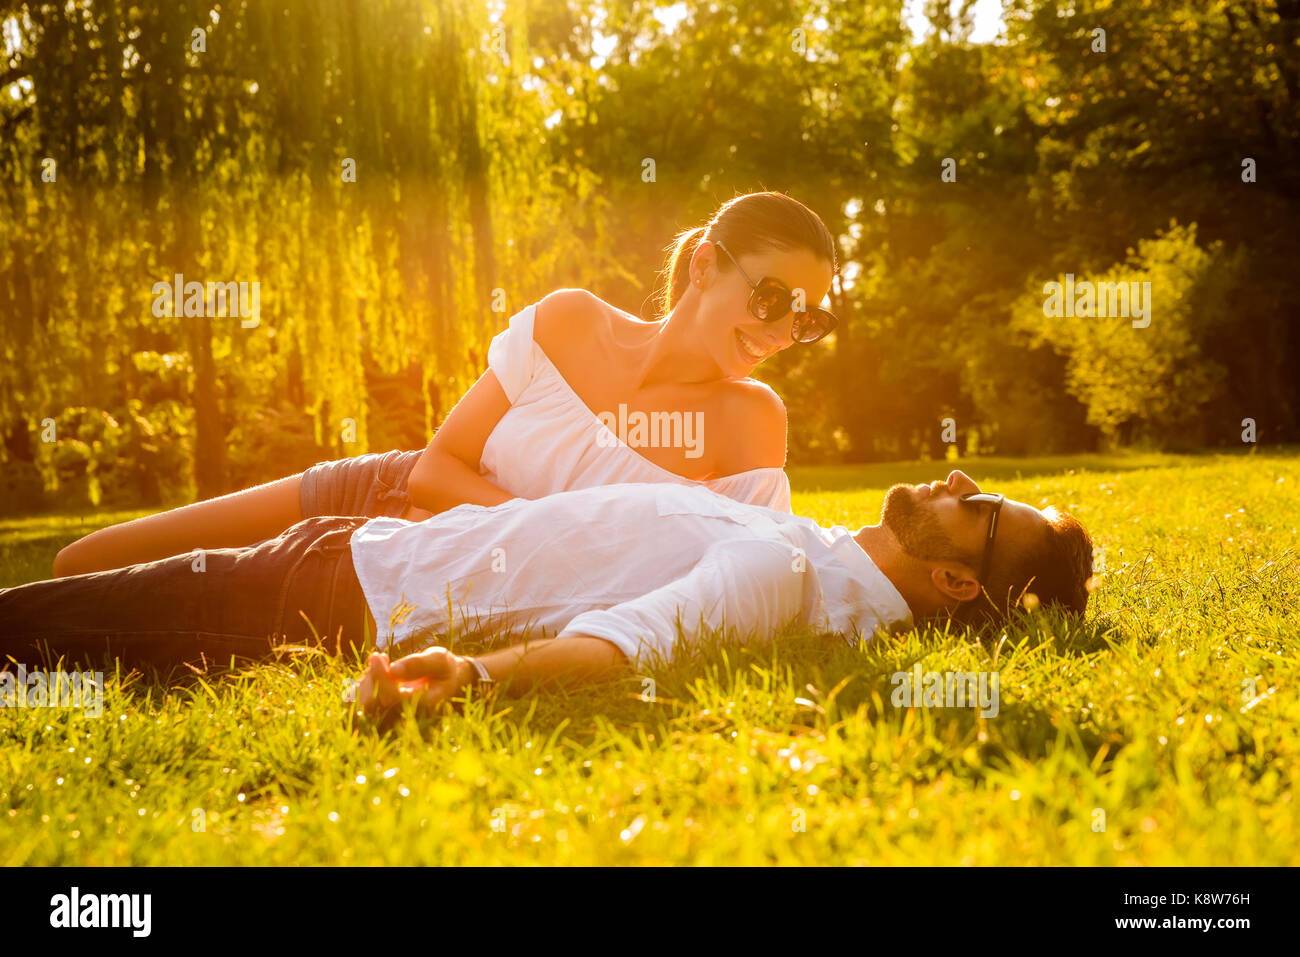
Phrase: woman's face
{"type": "Point", "coordinates": [736, 340]}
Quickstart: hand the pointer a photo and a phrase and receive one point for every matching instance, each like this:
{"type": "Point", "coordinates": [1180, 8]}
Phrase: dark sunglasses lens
{"type": "Point", "coordinates": [770, 301]}
{"type": "Point", "coordinates": [813, 325]}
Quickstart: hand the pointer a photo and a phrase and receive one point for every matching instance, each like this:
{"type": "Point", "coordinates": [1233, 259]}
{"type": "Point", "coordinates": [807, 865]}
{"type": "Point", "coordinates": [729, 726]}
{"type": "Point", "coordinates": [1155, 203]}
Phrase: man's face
{"type": "Point", "coordinates": [932, 524]}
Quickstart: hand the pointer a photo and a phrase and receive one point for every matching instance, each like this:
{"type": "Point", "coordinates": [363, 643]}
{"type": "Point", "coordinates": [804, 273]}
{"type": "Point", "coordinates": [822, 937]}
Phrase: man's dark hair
{"type": "Point", "coordinates": [1056, 571]}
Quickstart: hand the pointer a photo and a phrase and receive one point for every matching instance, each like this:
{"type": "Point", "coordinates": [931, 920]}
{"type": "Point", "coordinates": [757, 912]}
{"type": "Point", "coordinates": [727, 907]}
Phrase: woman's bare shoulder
{"type": "Point", "coordinates": [757, 435]}
{"type": "Point", "coordinates": [569, 318]}
{"type": "Point", "coordinates": [758, 396]}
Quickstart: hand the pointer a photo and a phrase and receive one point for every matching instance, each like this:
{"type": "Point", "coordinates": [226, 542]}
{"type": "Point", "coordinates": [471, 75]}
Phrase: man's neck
{"type": "Point", "coordinates": [883, 549]}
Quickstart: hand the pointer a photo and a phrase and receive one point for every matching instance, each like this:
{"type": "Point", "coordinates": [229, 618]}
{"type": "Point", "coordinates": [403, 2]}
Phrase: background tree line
{"type": "Point", "coordinates": [501, 147]}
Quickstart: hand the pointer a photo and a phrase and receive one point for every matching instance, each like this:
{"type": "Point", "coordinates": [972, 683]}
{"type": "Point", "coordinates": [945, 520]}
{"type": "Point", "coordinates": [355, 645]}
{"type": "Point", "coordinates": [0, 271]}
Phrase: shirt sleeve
{"type": "Point", "coordinates": [510, 354]}
{"type": "Point", "coordinates": [751, 588]}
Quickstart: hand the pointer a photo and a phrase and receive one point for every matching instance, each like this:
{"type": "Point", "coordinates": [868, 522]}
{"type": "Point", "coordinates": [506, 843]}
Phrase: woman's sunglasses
{"type": "Point", "coordinates": [771, 299]}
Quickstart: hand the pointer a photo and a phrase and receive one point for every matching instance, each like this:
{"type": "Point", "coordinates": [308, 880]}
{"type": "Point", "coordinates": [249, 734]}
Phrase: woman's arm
{"type": "Point", "coordinates": [443, 477]}
{"type": "Point", "coordinates": [447, 472]}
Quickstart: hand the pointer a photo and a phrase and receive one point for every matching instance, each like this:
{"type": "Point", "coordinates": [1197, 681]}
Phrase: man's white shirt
{"type": "Point", "coordinates": [632, 564]}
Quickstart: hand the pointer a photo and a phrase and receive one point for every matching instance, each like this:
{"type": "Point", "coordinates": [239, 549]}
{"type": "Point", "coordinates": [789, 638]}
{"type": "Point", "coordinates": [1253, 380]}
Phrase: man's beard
{"type": "Point", "coordinates": [915, 526]}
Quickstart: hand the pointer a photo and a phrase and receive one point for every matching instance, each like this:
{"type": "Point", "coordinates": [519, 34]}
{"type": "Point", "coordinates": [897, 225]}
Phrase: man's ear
{"type": "Point", "coordinates": [955, 581]}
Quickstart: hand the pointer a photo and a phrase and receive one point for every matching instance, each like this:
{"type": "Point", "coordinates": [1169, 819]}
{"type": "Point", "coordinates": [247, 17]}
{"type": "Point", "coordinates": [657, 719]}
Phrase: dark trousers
{"type": "Point", "coordinates": [297, 588]}
{"type": "Point", "coordinates": [374, 485]}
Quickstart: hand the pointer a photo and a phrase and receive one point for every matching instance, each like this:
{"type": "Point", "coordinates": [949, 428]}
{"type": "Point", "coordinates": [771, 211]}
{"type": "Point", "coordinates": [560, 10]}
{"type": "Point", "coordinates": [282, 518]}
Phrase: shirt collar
{"type": "Point", "coordinates": [886, 600]}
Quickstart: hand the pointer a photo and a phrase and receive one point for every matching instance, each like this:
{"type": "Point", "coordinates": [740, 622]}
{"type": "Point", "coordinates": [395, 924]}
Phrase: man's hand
{"type": "Point", "coordinates": [434, 676]}
{"type": "Point", "coordinates": [431, 678]}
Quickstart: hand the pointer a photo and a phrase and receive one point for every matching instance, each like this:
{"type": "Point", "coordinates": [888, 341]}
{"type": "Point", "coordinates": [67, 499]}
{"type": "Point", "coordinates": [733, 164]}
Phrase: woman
{"type": "Point", "coordinates": [532, 424]}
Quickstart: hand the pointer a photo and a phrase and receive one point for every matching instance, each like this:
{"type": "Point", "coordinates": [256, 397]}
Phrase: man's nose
{"type": "Point", "coordinates": [959, 483]}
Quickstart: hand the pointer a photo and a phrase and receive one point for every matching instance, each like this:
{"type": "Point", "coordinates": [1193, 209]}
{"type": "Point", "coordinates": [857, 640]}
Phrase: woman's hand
{"type": "Point", "coordinates": [431, 678]}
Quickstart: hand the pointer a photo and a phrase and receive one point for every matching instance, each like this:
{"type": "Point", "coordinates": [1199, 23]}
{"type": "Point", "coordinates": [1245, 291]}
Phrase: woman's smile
{"type": "Point", "coordinates": [750, 347]}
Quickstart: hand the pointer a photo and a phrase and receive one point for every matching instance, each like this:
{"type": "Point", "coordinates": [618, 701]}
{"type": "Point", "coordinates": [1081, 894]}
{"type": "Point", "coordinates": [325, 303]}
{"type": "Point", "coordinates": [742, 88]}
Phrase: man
{"type": "Point", "coordinates": [615, 572]}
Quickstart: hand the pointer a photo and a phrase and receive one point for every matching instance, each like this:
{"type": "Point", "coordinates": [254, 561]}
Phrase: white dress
{"type": "Point", "coordinates": [550, 441]}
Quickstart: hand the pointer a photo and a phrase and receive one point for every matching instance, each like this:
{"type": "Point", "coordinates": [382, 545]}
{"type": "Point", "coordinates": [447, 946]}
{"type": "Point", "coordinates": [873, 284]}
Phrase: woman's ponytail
{"type": "Point", "coordinates": [678, 268]}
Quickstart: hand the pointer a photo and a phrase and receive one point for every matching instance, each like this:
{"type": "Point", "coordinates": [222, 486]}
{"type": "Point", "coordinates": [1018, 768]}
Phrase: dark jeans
{"type": "Point", "coordinates": [374, 485]}
{"type": "Point", "coordinates": [242, 603]}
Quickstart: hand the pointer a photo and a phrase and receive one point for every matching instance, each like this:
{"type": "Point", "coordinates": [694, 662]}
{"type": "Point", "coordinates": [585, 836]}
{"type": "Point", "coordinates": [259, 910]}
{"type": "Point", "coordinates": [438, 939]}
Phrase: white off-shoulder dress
{"type": "Point", "coordinates": [550, 441]}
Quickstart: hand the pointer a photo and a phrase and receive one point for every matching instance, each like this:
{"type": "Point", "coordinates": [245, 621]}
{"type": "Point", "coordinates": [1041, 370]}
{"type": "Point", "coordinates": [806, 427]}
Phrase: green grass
{"type": "Point", "coordinates": [787, 753]}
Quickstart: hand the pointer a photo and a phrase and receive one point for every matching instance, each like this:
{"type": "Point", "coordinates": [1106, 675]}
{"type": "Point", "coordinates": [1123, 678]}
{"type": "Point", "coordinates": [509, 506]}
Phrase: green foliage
{"type": "Point", "coordinates": [495, 152]}
{"type": "Point", "coordinates": [133, 457]}
{"type": "Point", "coordinates": [1153, 380]}
{"type": "Point", "coordinates": [228, 164]}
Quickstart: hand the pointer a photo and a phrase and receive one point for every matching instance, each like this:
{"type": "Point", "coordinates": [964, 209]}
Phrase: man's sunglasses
{"type": "Point", "coordinates": [995, 499]}
{"type": "Point", "coordinates": [771, 299]}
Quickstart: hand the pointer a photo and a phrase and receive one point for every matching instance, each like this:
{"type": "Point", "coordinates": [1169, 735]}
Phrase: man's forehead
{"type": "Point", "coordinates": [1012, 505]}
{"type": "Point", "coordinates": [1021, 517]}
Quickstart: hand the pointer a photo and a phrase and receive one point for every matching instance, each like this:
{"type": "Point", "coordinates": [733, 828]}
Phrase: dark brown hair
{"type": "Point", "coordinates": [748, 224]}
{"type": "Point", "coordinates": [1056, 571]}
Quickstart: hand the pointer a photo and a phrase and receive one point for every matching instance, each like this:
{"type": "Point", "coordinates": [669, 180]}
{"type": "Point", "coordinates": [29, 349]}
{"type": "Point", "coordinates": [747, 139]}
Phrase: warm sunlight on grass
{"type": "Point", "coordinates": [1173, 713]}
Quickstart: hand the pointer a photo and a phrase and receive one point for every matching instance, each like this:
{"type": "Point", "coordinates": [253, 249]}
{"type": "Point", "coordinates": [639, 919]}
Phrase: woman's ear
{"type": "Point", "coordinates": [701, 259]}
{"type": "Point", "coordinates": [954, 580]}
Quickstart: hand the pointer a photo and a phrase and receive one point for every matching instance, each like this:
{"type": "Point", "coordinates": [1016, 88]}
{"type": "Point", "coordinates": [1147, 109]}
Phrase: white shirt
{"type": "Point", "coordinates": [626, 563]}
{"type": "Point", "coordinates": [549, 440]}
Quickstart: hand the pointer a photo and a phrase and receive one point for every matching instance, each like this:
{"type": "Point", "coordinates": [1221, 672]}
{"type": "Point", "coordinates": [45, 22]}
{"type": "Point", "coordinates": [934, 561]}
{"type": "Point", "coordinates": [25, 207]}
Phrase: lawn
{"type": "Point", "coordinates": [1166, 730]}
